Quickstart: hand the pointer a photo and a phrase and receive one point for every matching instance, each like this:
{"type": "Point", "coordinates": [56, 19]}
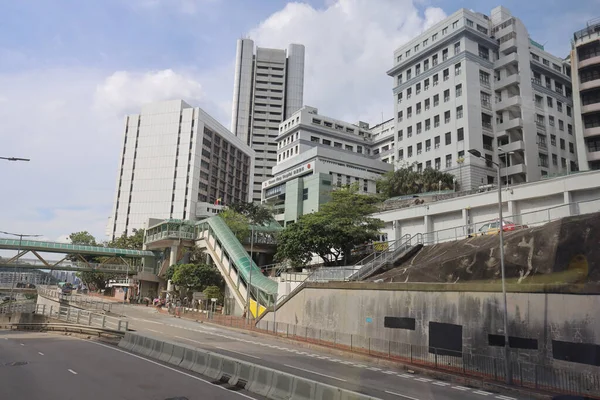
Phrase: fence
{"type": "Point", "coordinates": [71, 315]}
{"type": "Point", "coordinates": [86, 302]}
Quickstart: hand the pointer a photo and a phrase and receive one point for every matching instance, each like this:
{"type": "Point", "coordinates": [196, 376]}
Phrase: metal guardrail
{"type": "Point", "coordinates": [524, 374]}
{"type": "Point", "coordinates": [64, 328]}
{"type": "Point", "coordinates": [86, 302]}
{"type": "Point", "coordinates": [70, 265]}
{"type": "Point", "coordinates": [70, 315]}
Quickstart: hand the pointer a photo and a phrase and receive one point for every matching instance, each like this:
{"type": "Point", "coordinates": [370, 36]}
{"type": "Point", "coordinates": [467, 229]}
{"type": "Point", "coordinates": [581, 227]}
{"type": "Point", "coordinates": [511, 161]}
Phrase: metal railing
{"type": "Point", "coordinates": [530, 219]}
{"type": "Point", "coordinates": [543, 375]}
{"type": "Point", "coordinates": [70, 315]}
{"type": "Point", "coordinates": [69, 265]}
{"type": "Point", "coordinates": [89, 303]}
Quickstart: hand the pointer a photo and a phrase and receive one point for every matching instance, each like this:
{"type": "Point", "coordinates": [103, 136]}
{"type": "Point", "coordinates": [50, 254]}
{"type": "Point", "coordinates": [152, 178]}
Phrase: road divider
{"type": "Point", "coordinates": [255, 378]}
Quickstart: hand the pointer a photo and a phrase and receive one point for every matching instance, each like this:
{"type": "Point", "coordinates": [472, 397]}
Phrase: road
{"type": "Point", "coordinates": [51, 367]}
{"type": "Point", "coordinates": [344, 372]}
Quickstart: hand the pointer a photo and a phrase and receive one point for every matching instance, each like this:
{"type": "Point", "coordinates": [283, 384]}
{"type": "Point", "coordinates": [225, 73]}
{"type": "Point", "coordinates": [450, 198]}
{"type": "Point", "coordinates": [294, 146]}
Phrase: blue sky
{"type": "Point", "coordinates": [70, 70]}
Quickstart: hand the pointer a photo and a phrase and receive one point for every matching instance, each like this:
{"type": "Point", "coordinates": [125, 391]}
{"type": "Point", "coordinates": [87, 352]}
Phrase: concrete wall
{"type": "Point", "coordinates": [361, 308]}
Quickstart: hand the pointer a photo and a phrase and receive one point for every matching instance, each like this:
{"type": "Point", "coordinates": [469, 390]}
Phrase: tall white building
{"type": "Point", "coordinates": [585, 64]}
{"type": "Point", "coordinates": [315, 154]}
{"type": "Point", "coordinates": [268, 88]}
{"type": "Point", "coordinates": [177, 162]}
{"type": "Point", "coordinates": [479, 82]}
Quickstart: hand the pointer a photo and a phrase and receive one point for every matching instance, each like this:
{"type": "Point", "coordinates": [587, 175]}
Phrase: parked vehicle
{"type": "Point", "coordinates": [493, 228]}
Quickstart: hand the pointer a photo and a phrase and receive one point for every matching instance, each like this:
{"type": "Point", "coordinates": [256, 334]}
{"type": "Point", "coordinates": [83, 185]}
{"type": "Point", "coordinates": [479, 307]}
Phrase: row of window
{"type": "Point", "coordinates": [539, 102]}
{"type": "Point", "coordinates": [339, 145]}
{"type": "Point", "coordinates": [341, 128]}
{"type": "Point", "coordinates": [558, 87]}
{"type": "Point", "coordinates": [425, 84]}
{"type": "Point", "coordinates": [556, 67]}
{"type": "Point", "coordinates": [540, 120]}
{"type": "Point", "coordinates": [460, 136]}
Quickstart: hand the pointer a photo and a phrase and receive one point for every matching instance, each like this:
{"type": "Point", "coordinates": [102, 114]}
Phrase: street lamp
{"type": "Point", "coordinates": [14, 159]}
{"type": "Point", "coordinates": [478, 154]}
{"type": "Point", "coordinates": [506, 159]}
{"type": "Point", "coordinates": [21, 236]}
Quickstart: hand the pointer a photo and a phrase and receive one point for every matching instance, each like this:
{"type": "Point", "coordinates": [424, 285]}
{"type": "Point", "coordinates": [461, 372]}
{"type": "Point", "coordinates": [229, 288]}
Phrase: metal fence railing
{"type": "Point", "coordinates": [70, 315]}
{"type": "Point", "coordinates": [87, 302]}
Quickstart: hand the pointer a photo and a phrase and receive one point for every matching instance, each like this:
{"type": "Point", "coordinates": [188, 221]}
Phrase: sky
{"type": "Point", "coordinates": [70, 71]}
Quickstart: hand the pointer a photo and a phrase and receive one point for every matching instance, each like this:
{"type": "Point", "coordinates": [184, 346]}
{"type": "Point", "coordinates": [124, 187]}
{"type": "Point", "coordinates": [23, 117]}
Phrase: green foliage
{"type": "Point", "coordinates": [333, 231]}
{"type": "Point", "coordinates": [133, 242]}
{"type": "Point", "coordinates": [256, 214]}
{"type": "Point", "coordinates": [196, 277]}
{"type": "Point", "coordinates": [83, 238]}
{"type": "Point", "coordinates": [95, 280]}
{"type": "Point", "coordinates": [170, 271]}
{"type": "Point", "coordinates": [407, 181]}
{"type": "Point", "coordinates": [214, 292]}
{"type": "Point", "coordinates": [238, 223]}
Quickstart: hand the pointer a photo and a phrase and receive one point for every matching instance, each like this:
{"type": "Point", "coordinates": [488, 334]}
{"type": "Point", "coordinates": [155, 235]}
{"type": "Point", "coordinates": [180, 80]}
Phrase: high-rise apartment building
{"type": "Point", "coordinates": [177, 162]}
{"type": "Point", "coordinates": [316, 154]}
{"type": "Point", "coordinates": [585, 64]}
{"type": "Point", "coordinates": [268, 88]}
{"type": "Point", "coordinates": [479, 82]}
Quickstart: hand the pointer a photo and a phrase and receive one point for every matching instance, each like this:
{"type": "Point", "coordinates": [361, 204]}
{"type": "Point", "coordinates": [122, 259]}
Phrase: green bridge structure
{"type": "Point", "coordinates": [114, 260]}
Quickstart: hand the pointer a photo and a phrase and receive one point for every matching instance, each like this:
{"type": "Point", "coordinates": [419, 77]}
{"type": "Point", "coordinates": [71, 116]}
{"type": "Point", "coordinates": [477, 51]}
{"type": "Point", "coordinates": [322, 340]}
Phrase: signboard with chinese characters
{"type": "Point", "coordinates": [289, 175]}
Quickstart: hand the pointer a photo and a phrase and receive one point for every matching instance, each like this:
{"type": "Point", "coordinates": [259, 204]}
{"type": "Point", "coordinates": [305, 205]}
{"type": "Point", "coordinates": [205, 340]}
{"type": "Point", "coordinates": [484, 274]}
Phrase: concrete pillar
{"type": "Point", "coordinates": [572, 207]}
{"type": "Point", "coordinates": [428, 225]}
{"type": "Point", "coordinates": [511, 210]}
{"type": "Point", "coordinates": [173, 255]}
{"type": "Point", "coordinates": [467, 220]}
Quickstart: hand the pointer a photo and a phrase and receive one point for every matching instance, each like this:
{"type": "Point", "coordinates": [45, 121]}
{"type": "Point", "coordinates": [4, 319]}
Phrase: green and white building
{"type": "Point", "coordinates": [316, 154]}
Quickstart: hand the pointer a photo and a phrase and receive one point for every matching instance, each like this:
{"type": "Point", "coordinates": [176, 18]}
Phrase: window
{"type": "Point", "coordinates": [484, 52]}
{"type": "Point", "coordinates": [448, 138]}
{"type": "Point", "coordinates": [419, 148]}
{"type": "Point", "coordinates": [401, 154]}
{"type": "Point", "coordinates": [553, 140]}
{"type": "Point", "coordinates": [568, 111]}
{"type": "Point", "coordinates": [571, 148]}
{"type": "Point", "coordinates": [417, 69]}
{"type": "Point", "coordinates": [305, 194]}
{"type": "Point", "coordinates": [337, 145]}
{"type": "Point", "coordinates": [349, 148]}
{"type": "Point", "coordinates": [563, 162]}
{"type": "Point", "coordinates": [399, 97]}
{"type": "Point", "coordinates": [558, 87]}
{"type": "Point", "coordinates": [469, 23]}
{"type": "Point", "coordinates": [400, 135]}
{"type": "Point", "coordinates": [457, 69]}
{"type": "Point", "coordinates": [485, 99]}
{"type": "Point", "coordinates": [448, 160]}
{"type": "Point", "coordinates": [428, 145]}
{"type": "Point", "coordinates": [482, 29]}
{"type": "Point", "coordinates": [484, 78]}
{"type": "Point", "coordinates": [456, 48]}
{"type": "Point", "coordinates": [399, 58]}
{"type": "Point", "coordinates": [419, 129]}
{"type": "Point", "coordinates": [549, 101]}
{"type": "Point", "coordinates": [551, 120]}
{"type": "Point", "coordinates": [435, 80]}
{"type": "Point", "coordinates": [446, 95]}
{"type": "Point", "coordinates": [409, 151]}
{"type": "Point", "coordinates": [447, 117]}
{"type": "Point", "coordinates": [559, 106]}
{"type": "Point", "coordinates": [427, 124]}
{"type": "Point", "coordinates": [562, 144]}
{"type": "Point", "coordinates": [408, 112]}
{"type": "Point", "coordinates": [548, 83]}
{"type": "Point", "coordinates": [408, 74]}
{"type": "Point", "coordinates": [546, 62]}
{"type": "Point", "coordinates": [446, 74]}
{"type": "Point", "coordinates": [535, 57]}
{"type": "Point", "coordinates": [425, 65]}
{"type": "Point", "coordinates": [426, 84]}
{"type": "Point", "coordinates": [434, 37]}
{"type": "Point", "coordinates": [409, 132]}
{"type": "Point", "coordinates": [455, 25]}
{"type": "Point", "coordinates": [436, 100]}
{"type": "Point", "coordinates": [459, 112]}
{"type": "Point", "coordinates": [561, 125]}
{"type": "Point", "coordinates": [315, 139]}
{"type": "Point", "coordinates": [418, 88]}
{"type": "Point", "coordinates": [408, 93]}
{"type": "Point", "coordinates": [327, 142]}
{"type": "Point", "coordinates": [570, 129]}
{"type": "Point", "coordinates": [444, 54]}
{"type": "Point", "coordinates": [399, 116]}
{"type": "Point", "coordinates": [427, 102]}
{"type": "Point", "coordinates": [438, 163]}
{"type": "Point", "coordinates": [436, 142]}
{"type": "Point", "coordinates": [445, 31]}
{"type": "Point", "coordinates": [434, 60]}
{"type": "Point", "coordinates": [425, 42]}
{"type": "Point", "coordinates": [359, 149]}
{"type": "Point", "coordinates": [407, 54]}
{"type": "Point", "coordinates": [554, 160]}
{"type": "Point", "coordinates": [436, 121]}
{"type": "Point", "coordinates": [458, 90]}
{"type": "Point", "coordinates": [460, 134]}
{"type": "Point", "coordinates": [428, 164]}
{"type": "Point", "coordinates": [416, 48]}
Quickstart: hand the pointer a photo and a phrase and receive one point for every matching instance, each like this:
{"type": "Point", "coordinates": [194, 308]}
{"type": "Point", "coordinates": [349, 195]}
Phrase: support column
{"type": "Point", "coordinates": [428, 225]}
{"type": "Point", "coordinates": [173, 255]}
{"type": "Point", "coordinates": [572, 208]}
{"type": "Point", "coordinates": [467, 220]}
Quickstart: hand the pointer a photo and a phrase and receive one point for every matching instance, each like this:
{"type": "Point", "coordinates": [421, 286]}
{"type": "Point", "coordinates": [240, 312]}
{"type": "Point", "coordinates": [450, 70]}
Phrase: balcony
{"type": "Point", "coordinates": [540, 126]}
{"type": "Point", "coordinates": [513, 170]}
{"type": "Point", "coordinates": [590, 85]}
{"type": "Point", "coordinates": [589, 132]}
{"type": "Point", "coordinates": [516, 123]}
{"type": "Point", "coordinates": [509, 46]}
{"type": "Point", "coordinates": [508, 103]}
{"type": "Point", "coordinates": [590, 61]}
{"type": "Point", "coordinates": [518, 145]}
{"type": "Point", "coordinates": [514, 79]}
{"type": "Point", "coordinates": [543, 146]}
{"type": "Point", "coordinates": [595, 107]}
{"type": "Point", "coordinates": [486, 104]}
{"type": "Point", "coordinates": [503, 61]}
{"type": "Point", "coordinates": [593, 155]}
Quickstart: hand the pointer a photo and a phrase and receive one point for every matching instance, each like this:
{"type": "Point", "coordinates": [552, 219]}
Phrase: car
{"type": "Point", "coordinates": [492, 228]}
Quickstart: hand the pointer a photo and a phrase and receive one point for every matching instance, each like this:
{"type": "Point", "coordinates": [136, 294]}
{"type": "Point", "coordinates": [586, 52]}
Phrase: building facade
{"type": "Point", "coordinates": [479, 82]}
{"type": "Point", "coordinates": [268, 88]}
{"type": "Point", "coordinates": [315, 154]}
{"type": "Point", "coordinates": [177, 162]}
{"type": "Point", "coordinates": [585, 66]}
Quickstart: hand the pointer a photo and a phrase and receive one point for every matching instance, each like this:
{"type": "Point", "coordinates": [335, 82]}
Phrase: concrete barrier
{"type": "Point", "coordinates": [261, 381]}
{"type": "Point", "coordinates": [189, 358]}
{"type": "Point", "coordinates": [281, 387]}
{"type": "Point", "coordinates": [177, 355]}
{"type": "Point", "coordinates": [167, 351]}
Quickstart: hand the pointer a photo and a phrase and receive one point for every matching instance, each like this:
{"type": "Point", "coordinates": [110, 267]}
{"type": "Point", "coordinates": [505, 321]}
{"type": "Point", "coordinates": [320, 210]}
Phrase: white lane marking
{"type": "Point", "coordinates": [505, 397]}
{"type": "Point", "coordinates": [147, 320]}
{"type": "Point", "coordinates": [169, 368]}
{"type": "Point", "coordinates": [405, 376]}
{"type": "Point", "coordinates": [238, 352]}
{"type": "Point", "coordinates": [461, 388]}
{"type": "Point", "coordinates": [360, 366]}
{"type": "Point", "coordinates": [440, 383]}
{"type": "Point", "coordinates": [191, 340]}
{"type": "Point", "coordinates": [22, 344]}
{"type": "Point", "coordinates": [348, 362]}
{"type": "Point", "coordinates": [389, 372]}
{"type": "Point", "coordinates": [313, 372]}
{"type": "Point", "coordinates": [71, 371]}
{"type": "Point", "coordinates": [401, 395]}
{"type": "Point", "coordinates": [336, 360]}
{"type": "Point", "coordinates": [374, 369]}
{"type": "Point", "coordinates": [152, 330]}
{"type": "Point", "coordinates": [422, 379]}
{"type": "Point", "coordinates": [40, 353]}
{"type": "Point", "coordinates": [481, 392]}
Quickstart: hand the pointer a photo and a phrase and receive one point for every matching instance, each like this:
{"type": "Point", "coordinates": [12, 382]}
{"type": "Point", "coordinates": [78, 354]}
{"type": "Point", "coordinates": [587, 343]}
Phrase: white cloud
{"type": "Point", "coordinates": [349, 46]}
{"type": "Point", "coordinates": [125, 92]}
{"type": "Point", "coordinates": [189, 7]}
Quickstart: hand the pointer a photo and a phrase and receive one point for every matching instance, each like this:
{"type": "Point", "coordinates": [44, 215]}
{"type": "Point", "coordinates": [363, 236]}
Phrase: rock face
{"type": "Point", "coordinates": [564, 251]}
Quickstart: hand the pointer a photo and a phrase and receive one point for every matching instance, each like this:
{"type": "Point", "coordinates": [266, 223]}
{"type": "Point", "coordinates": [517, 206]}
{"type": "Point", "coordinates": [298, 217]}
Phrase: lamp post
{"type": "Point", "coordinates": [21, 236]}
{"type": "Point", "coordinates": [478, 154]}
{"type": "Point", "coordinates": [14, 159]}
{"type": "Point", "coordinates": [248, 288]}
{"type": "Point", "coordinates": [506, 159]}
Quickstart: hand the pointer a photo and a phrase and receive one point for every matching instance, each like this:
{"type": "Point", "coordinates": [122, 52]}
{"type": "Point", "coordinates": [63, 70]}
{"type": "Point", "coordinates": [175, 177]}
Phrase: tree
{"type": "Point", "coordinates": [83, 238]}
{"type": "Point", "coordinates": [238, 223]}
{"type": "Point", "coordinates": [212, 292]}
{"type": "Point", "coordinates": [333, 231]}
{"type": "Point", "coordinates": [133, 242]}
{"type": "Point", "coordinates": [406, 181]}
{"type": "Point", "coordinates": [95, 280]}
{"type": "Point", "coordinates": [256, 214]}
{"type": "Point", "coordinates": [196, 277]}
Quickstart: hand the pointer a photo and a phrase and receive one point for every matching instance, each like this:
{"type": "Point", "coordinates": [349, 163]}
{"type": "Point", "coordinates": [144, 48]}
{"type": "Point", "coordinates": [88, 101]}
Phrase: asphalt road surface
{"type": "Point", "coordinates": [344, 372]}
{"type": "Point", "coordinates": [51, 367]}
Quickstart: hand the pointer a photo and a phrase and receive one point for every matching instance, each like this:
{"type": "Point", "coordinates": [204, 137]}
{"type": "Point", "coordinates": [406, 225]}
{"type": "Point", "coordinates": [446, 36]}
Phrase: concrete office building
{"type": "Point", "coordinates": [315, 154]}
{"type": "Point", "coordinates": [383, 142]}
{"type": "Point", "coordinates": [479, 82]}
{"type": "Point", "coordinates": [585, 66]}
{"type": "Point", "coordinates": [268, 88]}
{"type": "Point", "coordinates": [176, 162]}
